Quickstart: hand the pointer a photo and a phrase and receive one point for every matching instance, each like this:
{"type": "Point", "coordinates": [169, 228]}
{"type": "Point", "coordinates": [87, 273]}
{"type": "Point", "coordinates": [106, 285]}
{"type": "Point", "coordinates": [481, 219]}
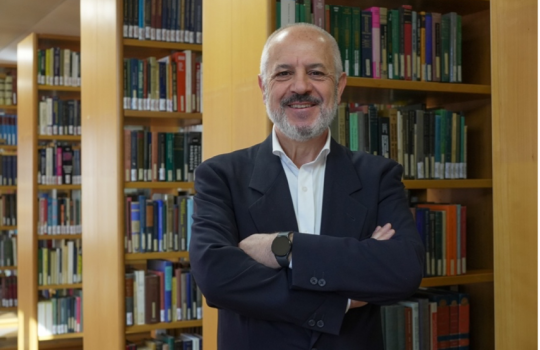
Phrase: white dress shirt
{"type": "Point", "coordinates": [306, 185]}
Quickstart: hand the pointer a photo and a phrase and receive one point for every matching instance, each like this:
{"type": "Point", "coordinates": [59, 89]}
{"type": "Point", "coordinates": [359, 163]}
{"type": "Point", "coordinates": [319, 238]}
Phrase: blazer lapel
{"type": "Point", "coordinates": [342, 214]}
{"type": "Point", "coordinates": [273, 210]}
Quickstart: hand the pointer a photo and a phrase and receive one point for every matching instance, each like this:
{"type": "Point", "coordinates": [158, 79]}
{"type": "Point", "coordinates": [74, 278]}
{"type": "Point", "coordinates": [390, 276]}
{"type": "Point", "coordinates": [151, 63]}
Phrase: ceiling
{"type": "Point", "coordinates": [18, 18]}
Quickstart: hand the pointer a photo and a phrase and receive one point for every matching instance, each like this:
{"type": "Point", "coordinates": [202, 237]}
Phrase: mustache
{"type": "Point", "coordinates": [299, 98]}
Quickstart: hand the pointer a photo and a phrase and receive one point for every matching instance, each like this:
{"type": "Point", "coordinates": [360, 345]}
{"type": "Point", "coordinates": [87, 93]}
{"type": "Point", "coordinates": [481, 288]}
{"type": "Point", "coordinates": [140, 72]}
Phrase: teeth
{"type": "Point", "coordinates": [299, 106]}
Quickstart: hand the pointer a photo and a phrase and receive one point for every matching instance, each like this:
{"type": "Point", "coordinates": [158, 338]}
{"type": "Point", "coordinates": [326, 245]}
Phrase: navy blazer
{"type": "Point", "coordinates": [246, 192]}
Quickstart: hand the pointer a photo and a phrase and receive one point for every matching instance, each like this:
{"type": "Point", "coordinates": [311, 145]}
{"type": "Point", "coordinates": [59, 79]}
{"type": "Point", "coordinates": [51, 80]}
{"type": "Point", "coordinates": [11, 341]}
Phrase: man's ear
{"type": "Point", "coordinates": [342, 83]}
{"type": "Point", "coordinates": [261, 85]}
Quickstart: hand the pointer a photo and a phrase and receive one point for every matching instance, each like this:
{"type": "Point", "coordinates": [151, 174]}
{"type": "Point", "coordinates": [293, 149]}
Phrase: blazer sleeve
{"type": "Point", "coordinates": [232, 280]}
{"type": "Point", "coordinates": [378, 272]}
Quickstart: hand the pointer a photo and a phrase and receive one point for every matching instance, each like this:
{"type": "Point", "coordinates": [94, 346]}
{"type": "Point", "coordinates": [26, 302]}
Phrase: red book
{"type": "Point", "coordinates": [407, 36]}
{"type": "Point", "coordinates": [463, 242]}
{"type": "Point", "coordinates": [464, 321]}
{"type": "Point", "coordinates": [408, 329]}
{"type": "Point", "coordinates": [162, 316]}
{"type": "Point", "coordinates": [454, 320]}
{"type": "Point", "coordinates": [180, 59]}
{"type": "Point", "coordinates": [152, 299]}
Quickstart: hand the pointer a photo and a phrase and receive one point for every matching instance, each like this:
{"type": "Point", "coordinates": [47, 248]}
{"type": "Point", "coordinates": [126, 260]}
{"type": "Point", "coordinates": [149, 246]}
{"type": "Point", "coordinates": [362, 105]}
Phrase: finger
{"type": "Point", "coordinates": [381, 230]}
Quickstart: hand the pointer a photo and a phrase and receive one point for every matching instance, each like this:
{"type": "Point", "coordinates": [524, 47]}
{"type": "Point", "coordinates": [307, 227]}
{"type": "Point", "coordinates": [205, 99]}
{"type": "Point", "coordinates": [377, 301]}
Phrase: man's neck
{"type": "Point", "coordinates": [302, 152]}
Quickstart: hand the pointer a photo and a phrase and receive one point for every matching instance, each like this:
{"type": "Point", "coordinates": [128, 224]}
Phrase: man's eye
{"type": "Point", "coordinates": [283, 74]}
{"type": "Point", "coordinates": [316, 73]}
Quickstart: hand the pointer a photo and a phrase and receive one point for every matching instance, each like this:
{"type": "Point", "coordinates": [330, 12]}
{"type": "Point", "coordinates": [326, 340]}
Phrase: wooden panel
{"type": "Point", "coordinates": [27, 193]}
{"type": "Point", "coordinates": [101, 156]}
{"type": "Point", "coordinates": [515, 171]}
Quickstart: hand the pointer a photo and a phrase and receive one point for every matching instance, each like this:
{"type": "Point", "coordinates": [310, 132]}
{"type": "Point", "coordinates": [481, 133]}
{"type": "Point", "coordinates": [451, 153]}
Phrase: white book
{"type": "Point", "coordinates": [70, 267]}
{"type": "Point", "coordinates": [288, 12]}
{"type": "Point", "coordinates": [140, 302]}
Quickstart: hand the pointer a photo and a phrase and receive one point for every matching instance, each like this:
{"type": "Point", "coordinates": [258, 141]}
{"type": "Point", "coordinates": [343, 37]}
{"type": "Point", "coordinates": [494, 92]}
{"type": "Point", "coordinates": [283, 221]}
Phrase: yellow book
{"type": "Point", "coordinates": [174, 300]}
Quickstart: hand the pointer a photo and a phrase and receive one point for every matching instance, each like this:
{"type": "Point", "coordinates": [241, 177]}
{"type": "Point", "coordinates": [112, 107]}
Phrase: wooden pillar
{"type": "Point", "coordinates": [515, 173]}
{"type": "Point", "coordinates": [27, 192]}
{"type": "Point", "coordinates": [102, 192]}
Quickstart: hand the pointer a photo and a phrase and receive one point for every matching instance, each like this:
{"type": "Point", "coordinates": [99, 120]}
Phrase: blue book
{"type": "Point", "coordinates": [165, 267]}
{"type": "Point", "coordinates": [160, 227]}
{"type": "Point", "coordinates": [365, 37]}
{"type": "Point", "coordinates": [134, 88]}
{"type": "Point", "coordinates": [140, 29]}
{"type": "Point", "coordinates": [142, 221]}
{"type": "Point", "coordinates": [189, 205]}
{"type": "Point", "coordinates": [429, 46]}
{"type": "Point", "coordinates": [135, 226]}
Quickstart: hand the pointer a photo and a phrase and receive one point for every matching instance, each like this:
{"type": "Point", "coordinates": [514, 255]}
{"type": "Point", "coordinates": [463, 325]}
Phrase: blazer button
{"type": "Point", "coordinates": [320, 323]}
{"type": "Point", "coordinates": [322, 282]}
{"type": "Point", "coordinates": [313, 280]}
{"type": "Point", "coordinates": [311, 323]}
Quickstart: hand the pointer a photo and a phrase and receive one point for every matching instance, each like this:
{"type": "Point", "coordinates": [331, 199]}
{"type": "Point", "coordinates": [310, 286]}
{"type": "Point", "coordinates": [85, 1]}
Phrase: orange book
{"type": "Point", "coordinates": [451, 234]}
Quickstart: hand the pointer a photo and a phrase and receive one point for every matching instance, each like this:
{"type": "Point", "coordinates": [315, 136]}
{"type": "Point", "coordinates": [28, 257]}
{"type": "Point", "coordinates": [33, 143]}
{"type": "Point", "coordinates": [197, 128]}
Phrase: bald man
{"type": "Point", "coordinates": [297, 240]}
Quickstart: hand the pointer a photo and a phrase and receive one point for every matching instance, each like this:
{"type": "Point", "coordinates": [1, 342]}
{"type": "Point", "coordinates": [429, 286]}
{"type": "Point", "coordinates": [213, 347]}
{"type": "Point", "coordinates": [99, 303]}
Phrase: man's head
{"type": "Point", "coordinates": [302, 80]}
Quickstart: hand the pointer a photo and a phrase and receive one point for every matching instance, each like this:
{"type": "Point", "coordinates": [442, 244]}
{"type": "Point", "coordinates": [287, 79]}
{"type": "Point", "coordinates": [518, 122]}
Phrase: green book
{"type": "Point", "coordinates": [345, 34]}
{"type": "Point", "coordinates": [335, 20]}
{"type": "Point", "coordinates": [458, 49]}
{"type": "Point", "coordinates": [278, 14]}
{"type": "Point", "coordinates": [445, 48]}
{"type": "Point", "coordinates": [169, 156]}
{"type": "Point", "coordinates": [395, 30]}
{"type": "Point", "coordinates": [353, 131]}
{"type": "Point", "coordinates": [307, 8]}
{"type": "Point", "coordinates": [356, 43]}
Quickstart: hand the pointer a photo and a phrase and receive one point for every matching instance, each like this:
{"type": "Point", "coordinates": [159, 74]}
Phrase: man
{"type": "Point", "coordinates": [297, 240]}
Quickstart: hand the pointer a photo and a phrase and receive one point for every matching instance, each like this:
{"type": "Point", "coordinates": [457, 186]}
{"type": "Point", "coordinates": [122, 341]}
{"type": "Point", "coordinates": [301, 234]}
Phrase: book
{"type": "Point", "coordinates": [164, 267]}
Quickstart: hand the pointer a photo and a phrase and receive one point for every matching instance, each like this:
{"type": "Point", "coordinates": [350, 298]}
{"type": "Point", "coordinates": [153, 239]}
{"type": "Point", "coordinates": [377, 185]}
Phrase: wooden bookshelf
{"type": "Point", "coordinates": [44, 338]}
{"type": "Point", "coordinates": [61, 286]}
{"type": "Point", "coordinates": [168, 115]}
{"type": "Point", "coordinates": [8, 147]}
{"type": "Point", "coordinates": [7, 228]}
{"type": "Point", "coordinates": [165, 255]}
{"type": "Point", "coordinates": [160, 45]}
{"type": "Point", "coordinates": [8, 188]}
{"type": "Point", "coordinates": [9, 107]}
{"type": "Point", "coordinates": [27, 205]}
{"type": "Point", "coordinates": [4, 268]}
{"type": "Point", "coordinates": [432, 184]}
{"type": "Point", "coordinates": [163, 325]}
{"type": "Point", "coordinates": [471, 277]}
{"type": "Point", "coordinates": [53, 237]}
{"type": "Point", "coordinates": [160, 185]}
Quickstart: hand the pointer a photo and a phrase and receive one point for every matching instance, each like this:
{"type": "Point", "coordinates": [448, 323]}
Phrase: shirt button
{"type": "Point", "coordinates": [311, 323]}
{"type": "Point", "coordinates": [304, 189]}
{"type": "Point", "coordinates": [322, 282]}
{"type": "Point", "coordinates": [313, 280]}
{"type": "Point", "coordinates": [320, 323]}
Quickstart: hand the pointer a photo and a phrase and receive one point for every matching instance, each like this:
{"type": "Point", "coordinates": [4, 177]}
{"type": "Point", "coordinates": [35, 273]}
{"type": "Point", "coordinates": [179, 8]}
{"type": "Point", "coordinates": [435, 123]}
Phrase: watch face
{"type": "Point", "coordinates": [281, 246]}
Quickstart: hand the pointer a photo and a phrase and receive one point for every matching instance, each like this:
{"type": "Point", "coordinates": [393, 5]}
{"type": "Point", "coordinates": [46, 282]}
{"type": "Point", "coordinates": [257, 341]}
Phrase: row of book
{"type": "Point", "coordinates": [184, 341]}
{"type": "Point", "coordinates": [59, 163]}
{"type": "Point", "coordinates": [59, 212]}
{"type": "Point", "coordinates": [160, 223]}
{"type": "Point", "coordinates": [8, 94]}
{"type": "Point", "coordinates": [8, 209]}
{"type": "Point", "coordinates": [8, 248]}
{"type": "Point", "coordinates": [8, 291]}
{"type": "Point", "coordinates": [443, 229]}
{"type": "Point", "coordinates": [384, 43]}
{"type": "Point", "coordinates": [58, 66]}
{"type": "Point", "coordinates": [164, 292]}
{"type": "Point", "coordinates": [59, 262]}
{"type": "Point", "coordinates": [59, 117]}
{"type": "Point", "coordinates": [61, 312]}
{"type": "Point", "coordinates": [431, 319]}
{"type": "Point", "coordinates": [8, 170]}
{"type": "Point", "coordinates": [163, 20]}
{"type": "Point", "coordinates": [169, 84]}
{"type": "Point", "coordinates": [429, 143]}
{"type": "Point", "coordinates": [8, 129]}
{"type": "Point", "coordinates": [162, 156]}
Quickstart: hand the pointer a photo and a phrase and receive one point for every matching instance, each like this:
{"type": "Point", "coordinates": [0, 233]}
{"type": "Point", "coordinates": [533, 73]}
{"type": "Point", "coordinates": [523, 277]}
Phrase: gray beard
{"type": "Point", "coordinates": [303, 133]}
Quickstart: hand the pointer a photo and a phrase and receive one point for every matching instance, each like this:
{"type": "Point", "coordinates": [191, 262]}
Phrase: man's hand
{"type": "Point", "coordinates": [259, 247]}
{"type": "Point", "coordinates": [381, 234]}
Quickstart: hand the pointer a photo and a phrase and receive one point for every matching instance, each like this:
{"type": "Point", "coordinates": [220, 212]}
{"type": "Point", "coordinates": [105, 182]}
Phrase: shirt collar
{"type": "Point", "coordinates": [278, 150]}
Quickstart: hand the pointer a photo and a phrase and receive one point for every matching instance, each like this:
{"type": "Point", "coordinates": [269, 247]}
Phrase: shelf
{"type": "Point", "coordinates": [474, 276]}
{"type": "Point", "coordinates": [59, 88]}
{"type": "Point", "coordinates": [158, 255]}
{"type": "Point", "coordinates": [170, 115]}
{"type": "Point", "coordinates": [163, 325]}
{"type": "Point", "coordinates": [8, 228]}
{"type": "Point", "coordinates": [74, 138]}
{"type": "Point", "coordinates": [8, 147]}
{"type": "Point", "coordinates": [367, 90]}
{"type": "Point", "coordinates": [160, 185]}
{"type": "Point", "coordinates": [161, 45]}
{"type": "Point", "coordinates": [60, 336]}
{"type": "Point", "coordinates": [3, 268]}
{"type": "Point", "coordinates": [61, 286]}
{"type": "Point", "coordinates": [464, 183]}
{"type": "Point", "coordinates": [64, 236]}
{"type": "Point", "coordinates": [58, 187]}
{"type": "Point", "coordinates": [10, 107]}
{"type": "Point", "coordinates": [8, 309]}
{"type": "Point", "coordinates": [3, 188]}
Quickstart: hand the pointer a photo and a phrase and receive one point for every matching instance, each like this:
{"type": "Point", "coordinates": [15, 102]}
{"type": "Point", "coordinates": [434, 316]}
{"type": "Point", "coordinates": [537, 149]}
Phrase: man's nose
{"type": "Point", "coordinates": [301, 83]}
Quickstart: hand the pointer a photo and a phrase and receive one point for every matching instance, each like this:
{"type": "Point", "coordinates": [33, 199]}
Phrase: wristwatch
{"type": "Point", "coordinates": [281, 247]}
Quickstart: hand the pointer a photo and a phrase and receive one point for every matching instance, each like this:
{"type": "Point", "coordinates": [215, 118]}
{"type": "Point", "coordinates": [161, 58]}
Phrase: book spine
{"type": "Point", "coordinates": [375, 42]}
{"type": "Point", "coordinates": [366, 45]}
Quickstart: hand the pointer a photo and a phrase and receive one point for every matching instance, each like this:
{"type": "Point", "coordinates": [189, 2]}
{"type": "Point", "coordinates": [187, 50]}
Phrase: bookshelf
{"type": "Point", "coordinates": [104, 258]}
{"type": "Point", "coordinates": [30, 94]}
{"type": "Point", "coordinates": [8, 108]}
{"type": "Point", "coordinates": [233, 103]}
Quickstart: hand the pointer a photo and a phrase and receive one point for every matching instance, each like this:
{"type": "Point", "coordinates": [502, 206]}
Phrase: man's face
{"type": "Point", "coordinates": [301, 92]}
